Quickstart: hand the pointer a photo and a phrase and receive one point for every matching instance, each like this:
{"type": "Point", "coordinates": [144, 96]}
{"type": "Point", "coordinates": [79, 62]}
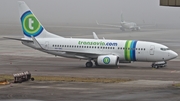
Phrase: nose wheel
{"type": "Point", "coordinates": [157, 66]}
{"type": "Point", "coordinates": [89, 64]}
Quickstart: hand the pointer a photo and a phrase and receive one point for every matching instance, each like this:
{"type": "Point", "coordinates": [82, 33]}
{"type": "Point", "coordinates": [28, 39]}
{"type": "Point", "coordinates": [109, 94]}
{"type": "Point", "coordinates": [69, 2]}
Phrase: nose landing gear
{"type": "Point", "coordinates": [158, 65]}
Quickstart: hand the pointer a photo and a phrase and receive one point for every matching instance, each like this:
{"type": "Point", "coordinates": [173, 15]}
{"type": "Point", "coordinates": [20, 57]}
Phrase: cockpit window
{"type": "Point", "coordinates": [164, 49]}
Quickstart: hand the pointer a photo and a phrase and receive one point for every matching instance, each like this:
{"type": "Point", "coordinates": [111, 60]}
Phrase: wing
{"type": "Point", "coordinates": [108, 25]}
{"type": "Point", "coordinates": [79, 55]}
{"type": "Point", "coordinates": [148, 25]}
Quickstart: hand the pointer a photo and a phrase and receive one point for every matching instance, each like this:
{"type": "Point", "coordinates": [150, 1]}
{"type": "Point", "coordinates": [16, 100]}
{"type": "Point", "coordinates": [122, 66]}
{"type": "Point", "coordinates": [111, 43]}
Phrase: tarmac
{"type": "Point", "coordinates": [147, 84]}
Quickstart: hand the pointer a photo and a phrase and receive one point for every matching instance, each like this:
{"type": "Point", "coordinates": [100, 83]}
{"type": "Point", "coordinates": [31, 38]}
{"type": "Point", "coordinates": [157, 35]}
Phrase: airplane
{"type": "Point", "coordinates": [103, 52]}
{"type": "Point", "coordinates": [124, 25]}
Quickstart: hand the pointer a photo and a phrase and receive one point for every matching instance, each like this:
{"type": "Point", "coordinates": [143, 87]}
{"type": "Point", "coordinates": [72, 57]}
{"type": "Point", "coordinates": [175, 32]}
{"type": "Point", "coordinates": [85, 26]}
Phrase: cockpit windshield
{"type": "Point", "coordinates": [164, 49]}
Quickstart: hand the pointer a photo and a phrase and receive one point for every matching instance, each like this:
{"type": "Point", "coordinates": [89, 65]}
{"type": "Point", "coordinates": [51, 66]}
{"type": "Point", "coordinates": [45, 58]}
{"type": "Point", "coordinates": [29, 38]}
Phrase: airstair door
{"type": "Point", "coordinates": [152, 48]}
{"type": "Point", "coordinates": [46, 45]}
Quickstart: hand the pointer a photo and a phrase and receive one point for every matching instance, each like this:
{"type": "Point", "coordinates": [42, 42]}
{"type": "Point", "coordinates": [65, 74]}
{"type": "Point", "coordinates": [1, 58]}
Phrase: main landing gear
{"type": "Point", "coordinates": [90, 63]}
{"type": "Point", "coordinates": [158, 65]}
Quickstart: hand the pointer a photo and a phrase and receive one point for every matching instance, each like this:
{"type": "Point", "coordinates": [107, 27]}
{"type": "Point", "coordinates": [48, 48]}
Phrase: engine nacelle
{"type": "Point", "coordinates": [107, 60]}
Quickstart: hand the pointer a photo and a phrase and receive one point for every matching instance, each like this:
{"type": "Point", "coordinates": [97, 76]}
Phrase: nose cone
{"type": "Point", "coordinates": [173, 54]}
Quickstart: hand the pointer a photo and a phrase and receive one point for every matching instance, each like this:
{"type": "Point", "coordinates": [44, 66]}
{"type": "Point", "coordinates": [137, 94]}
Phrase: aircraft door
{"type": "Point", "coordinates": [152, 48]}
{"type": "Point", "coordinates": [46, 45]}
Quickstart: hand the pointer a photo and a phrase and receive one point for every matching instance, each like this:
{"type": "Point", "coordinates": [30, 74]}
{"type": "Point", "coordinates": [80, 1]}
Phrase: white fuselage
{"type": "Point", "coordinates": [100, 51]}
{"type": "Point", "coordinates": [126, 50]}
{"type": "Point", "coordinates": [130, 25]}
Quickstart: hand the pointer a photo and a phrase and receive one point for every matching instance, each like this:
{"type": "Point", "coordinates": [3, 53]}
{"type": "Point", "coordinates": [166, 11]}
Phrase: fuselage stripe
{"type": "Point", "coordinates": [125, 50]}
{"type": "Point", "coordinates": [130, 50]}
{"type": "Point", "coordinates": [134, 50]}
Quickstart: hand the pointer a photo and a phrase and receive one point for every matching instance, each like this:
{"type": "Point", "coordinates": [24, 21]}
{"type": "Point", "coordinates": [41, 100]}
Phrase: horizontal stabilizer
{"type": "Point", "coordinates": [18, 39]}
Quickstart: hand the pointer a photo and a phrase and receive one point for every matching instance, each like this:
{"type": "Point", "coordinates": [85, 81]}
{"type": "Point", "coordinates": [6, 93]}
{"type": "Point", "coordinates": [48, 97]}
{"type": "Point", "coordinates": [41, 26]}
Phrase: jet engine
{"type": "Point", "coordinates": [107, 60]}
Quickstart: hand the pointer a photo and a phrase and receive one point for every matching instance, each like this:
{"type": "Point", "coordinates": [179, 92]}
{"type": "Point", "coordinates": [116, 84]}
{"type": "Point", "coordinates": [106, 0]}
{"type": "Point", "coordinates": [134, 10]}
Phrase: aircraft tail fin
{"type": "Point", "coordinates": [30, 24]}
{"type": "Point", "coordinates": [122, 19]}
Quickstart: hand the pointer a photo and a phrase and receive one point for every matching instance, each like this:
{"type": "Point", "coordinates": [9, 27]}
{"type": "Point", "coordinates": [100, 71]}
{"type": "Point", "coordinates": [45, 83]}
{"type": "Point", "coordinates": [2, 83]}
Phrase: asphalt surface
{"type": "Point", "coordinates": [148, 84]}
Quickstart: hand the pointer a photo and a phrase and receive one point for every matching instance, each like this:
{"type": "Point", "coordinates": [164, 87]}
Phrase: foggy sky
{"type": "Point", "coordinates": [87, 11]}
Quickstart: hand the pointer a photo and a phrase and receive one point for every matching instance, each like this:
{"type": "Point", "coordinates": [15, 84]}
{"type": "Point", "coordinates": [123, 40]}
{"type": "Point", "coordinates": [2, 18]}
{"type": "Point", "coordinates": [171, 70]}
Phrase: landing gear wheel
{"type": "Point", "coordinates": [89, 64]}
{"type": "Point", "coordinates": [156, 67]}
{"type": "Point", "coordinates": [152, 65]}
{"type": "Point", "coordinates": [32, 79]}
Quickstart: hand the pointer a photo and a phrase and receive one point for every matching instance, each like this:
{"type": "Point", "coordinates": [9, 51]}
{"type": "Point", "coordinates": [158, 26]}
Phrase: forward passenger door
{"type": "Point", "coordinates": [151, 51]}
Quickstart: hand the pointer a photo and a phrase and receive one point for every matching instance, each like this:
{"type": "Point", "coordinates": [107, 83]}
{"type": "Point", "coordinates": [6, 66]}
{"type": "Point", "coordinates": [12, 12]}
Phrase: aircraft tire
{"type": "Point", "coordinates": [32, 79]}
{"type": "Point", "coordinates": [156, 66]}
{"type": "Point", "coordinates": [152, 65]}
{"type": "Point", "coordinates": [89, 64]}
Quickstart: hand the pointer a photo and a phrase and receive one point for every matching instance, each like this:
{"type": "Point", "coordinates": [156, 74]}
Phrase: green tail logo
{"type": "Point", "coordinates": [30, 25]}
